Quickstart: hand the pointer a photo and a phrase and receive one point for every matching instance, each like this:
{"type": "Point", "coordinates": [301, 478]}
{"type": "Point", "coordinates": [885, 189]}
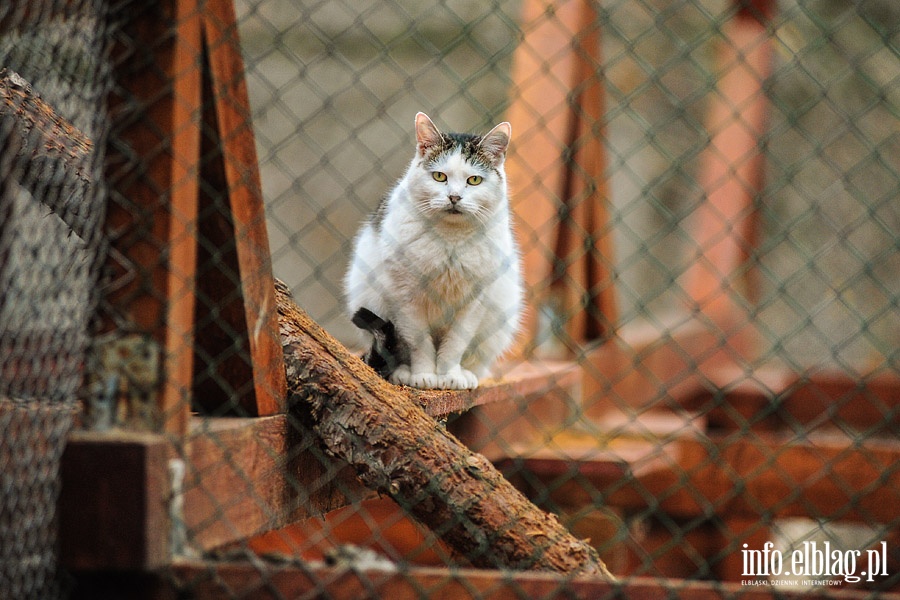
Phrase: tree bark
{"type": "Point", "coordinates": [399, 451]}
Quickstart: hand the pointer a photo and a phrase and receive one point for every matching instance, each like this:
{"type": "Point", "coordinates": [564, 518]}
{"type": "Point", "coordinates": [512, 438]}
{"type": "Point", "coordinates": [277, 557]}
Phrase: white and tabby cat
{"type": "Point", "coordinates": [435, 279]}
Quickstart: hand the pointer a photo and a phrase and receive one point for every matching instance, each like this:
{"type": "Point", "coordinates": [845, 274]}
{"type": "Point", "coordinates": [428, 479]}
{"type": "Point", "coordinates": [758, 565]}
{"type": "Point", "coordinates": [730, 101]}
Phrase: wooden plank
{"type": "Point", "coordinates": [527, 409]}
{"type": "Point", "coordinates": [732, 397]}
{"type": "Point", "coordinates": [152, 158]}
{"type": "Point", "coordinates": [764, 476]}
{"type": "Point", "coordinates": [246, 476]}
{"type": "Point", "coordinates": [249, 475]}
{"type": "Point", "coordinates": [235, 481]}
{"type": "Point", "coordinates": [113, 509]}
{"type": "Point", "coordinates": [521, 382]}
{"type": "Point", "coordinates": [231, 167]}
{"type": "Point", "coordinates": [823, 477]}
{"type": "Point", "coordinates": [242, 477]}
{"type": "Point", "coordinates": [379, 524]}
{"type": "Point", "coordinates": [182, 219]}
{"type": "Point", "coordinates": [206, 580]}
{"type": "Point", "coordinates": [870, 403]}
{"type": "Point", "coordinates": [649, 364]}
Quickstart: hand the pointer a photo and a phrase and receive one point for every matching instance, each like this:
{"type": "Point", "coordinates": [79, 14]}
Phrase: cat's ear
{"type": "Point", "coordinates": [427, 134]}
{"type": "Point", "coordinates": [495, 142]}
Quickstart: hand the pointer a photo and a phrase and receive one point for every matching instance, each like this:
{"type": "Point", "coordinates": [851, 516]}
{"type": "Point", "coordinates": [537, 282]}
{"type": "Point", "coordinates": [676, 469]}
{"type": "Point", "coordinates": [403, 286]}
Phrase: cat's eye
{"type": "Point", "coordinates": [438, 176]}
{"type": "Point", "coordinates": [474, 179]}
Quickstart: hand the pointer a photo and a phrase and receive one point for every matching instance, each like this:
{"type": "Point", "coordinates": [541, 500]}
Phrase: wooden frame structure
{"type": "Point", "coordinates": [245, 473]}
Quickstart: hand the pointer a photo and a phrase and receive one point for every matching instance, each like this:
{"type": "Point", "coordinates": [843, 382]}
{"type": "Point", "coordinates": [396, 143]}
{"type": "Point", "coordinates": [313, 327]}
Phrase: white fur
{"type": "Point", "coordinates": [450, 283]}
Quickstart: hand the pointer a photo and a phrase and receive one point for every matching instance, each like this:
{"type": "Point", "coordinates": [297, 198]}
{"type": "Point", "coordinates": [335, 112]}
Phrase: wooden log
{"type": "Point", "coordinates": [53, 158]}
{"type": "Point", "coordinates": [399, 451]}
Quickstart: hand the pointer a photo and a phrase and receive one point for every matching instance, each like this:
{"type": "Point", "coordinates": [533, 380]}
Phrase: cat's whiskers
{"type": "Point", "coordinates": [426, 207]}
{"type": "Point", "coordinates": [482, 214]}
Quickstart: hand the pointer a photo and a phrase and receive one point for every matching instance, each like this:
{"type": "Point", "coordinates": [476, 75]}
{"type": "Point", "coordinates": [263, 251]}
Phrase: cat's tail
{"type": "Point", "coordinates": [388, 350]}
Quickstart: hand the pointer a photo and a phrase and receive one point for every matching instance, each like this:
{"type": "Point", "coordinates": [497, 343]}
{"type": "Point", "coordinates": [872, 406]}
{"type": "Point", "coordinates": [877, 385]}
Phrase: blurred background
{"type": "Point", "coordinates": [335, 86]}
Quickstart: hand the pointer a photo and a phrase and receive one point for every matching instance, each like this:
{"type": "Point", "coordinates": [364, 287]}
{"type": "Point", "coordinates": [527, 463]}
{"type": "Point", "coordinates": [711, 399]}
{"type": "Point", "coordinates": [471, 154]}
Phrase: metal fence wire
{"type": "Point", "coordinates": [705, 387]}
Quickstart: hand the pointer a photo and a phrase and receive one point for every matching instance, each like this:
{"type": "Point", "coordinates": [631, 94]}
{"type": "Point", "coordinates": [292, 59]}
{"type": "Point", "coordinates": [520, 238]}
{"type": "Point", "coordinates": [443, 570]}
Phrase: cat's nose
{"type": "Point", "coordinates": [454, 199]}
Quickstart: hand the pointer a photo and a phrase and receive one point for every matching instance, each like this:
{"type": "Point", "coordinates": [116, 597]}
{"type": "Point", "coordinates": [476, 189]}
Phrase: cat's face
{"type": "Point", "coordinates": [458, 177]}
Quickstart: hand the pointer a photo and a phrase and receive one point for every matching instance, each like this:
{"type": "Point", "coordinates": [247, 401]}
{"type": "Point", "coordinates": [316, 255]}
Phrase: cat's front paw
{"type": "Point", "coordinates": [401, 375]}
{"type": "Point", "coordinates": [404, 376]}
{"type": "Point", "coordinates": [458, 379]}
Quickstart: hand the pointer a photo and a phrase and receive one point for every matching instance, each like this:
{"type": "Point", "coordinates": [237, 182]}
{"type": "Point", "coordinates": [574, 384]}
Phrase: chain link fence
{"type": "Point", "coordinates": [705, 388]}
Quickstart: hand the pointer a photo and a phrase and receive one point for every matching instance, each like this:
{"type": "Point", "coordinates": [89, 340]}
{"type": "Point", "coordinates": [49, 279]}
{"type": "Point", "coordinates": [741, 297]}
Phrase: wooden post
{"type": "Point", "coordinates": [172, 189]}
{"type": "Point", "coordinates": [556, 165]}
{"type": "Point", "coordinates": [151, 221]}
{"type": "Point", "coordinates": [113, 509]}
{"type": "Point", "coordinates": [731, 173]}
{"type": "Point", "coordinates": [584, 246]}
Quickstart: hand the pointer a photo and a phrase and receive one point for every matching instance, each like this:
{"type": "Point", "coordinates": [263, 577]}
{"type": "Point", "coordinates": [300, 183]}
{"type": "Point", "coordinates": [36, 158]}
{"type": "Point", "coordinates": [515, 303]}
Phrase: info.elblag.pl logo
{"type": "Point", "coordinates": [818, 564]}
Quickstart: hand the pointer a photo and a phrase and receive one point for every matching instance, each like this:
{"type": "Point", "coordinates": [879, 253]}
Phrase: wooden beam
{"type": "Point", "coordinates": [584, 245]}
{"type": "Point", "coordinates": [247, 476]}
{"type": "Point", "coordinates": [377, 523]}
{"type": "Point", "coordinates": [682, 362]}
{"type": "Point", "coordinates": [869, 403]}
{"type": "Point", "coordinates": [522, 383]}
{"type": "Point", "coordinates": [529, 413]}
{"type": "Point", "coordinates": [682, 366]}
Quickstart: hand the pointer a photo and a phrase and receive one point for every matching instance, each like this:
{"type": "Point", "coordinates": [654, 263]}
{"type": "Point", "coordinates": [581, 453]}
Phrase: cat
{"type": "Point", "coordinates": [434, 281]}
